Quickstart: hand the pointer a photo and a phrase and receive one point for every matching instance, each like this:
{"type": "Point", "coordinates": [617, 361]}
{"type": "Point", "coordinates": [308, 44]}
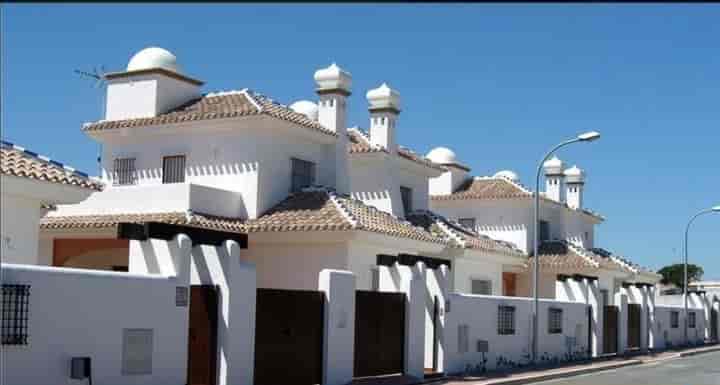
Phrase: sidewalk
{"type": "Point", "coordinates": [529, 376]}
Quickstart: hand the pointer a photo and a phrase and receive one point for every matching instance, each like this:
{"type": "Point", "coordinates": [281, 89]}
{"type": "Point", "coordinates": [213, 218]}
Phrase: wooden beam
{"type": "Point", "coordinates": [166, 231]}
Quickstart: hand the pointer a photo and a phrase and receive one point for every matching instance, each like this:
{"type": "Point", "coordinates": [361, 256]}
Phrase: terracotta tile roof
{"type": "Point", "coordinates": [359, 143]}
{"type": "Point", "coordinates": [621, 261]}
{"type": "Point", "coordinates": [219, 105]}
{"type": "Point", "coordinates": [563, 254]}
{"type": "Point", "coordinates": [499, 188]}
{"type": "Point", "coordinates": [460, 235]}
{"type": "Point", "coordinates": [319, 209]}
{"type": "Point", "coordinates": [17, 161]}
{"type": "Point", "coordinates": [111, 220]}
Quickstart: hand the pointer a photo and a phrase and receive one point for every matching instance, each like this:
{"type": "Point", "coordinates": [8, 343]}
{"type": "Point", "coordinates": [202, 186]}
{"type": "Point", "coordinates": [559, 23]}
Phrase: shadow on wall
{"type": "Point", "coordinates": [482, 227]}
{"type": "Point", "coordinates": [203, 170]}
{"type": "Point", "coordinates": [371, 195]}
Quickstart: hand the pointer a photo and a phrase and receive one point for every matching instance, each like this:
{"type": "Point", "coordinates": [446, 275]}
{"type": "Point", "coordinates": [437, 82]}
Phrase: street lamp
{"type": "Point", "coordinates": [585, 137]}
{"type": "Point", "coordinates": [715, 209]}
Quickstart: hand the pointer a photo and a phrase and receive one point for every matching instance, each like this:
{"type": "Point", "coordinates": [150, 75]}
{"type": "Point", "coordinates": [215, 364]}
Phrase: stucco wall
{"type": "Point", "coordinates": [671, 337]}
{"type": "Point", "coordinates": [480, 314]}
{"type": "Point", "coordinates": [83, 313]}
{"type": "Point", "coordinates": [467, 269]}
{"type": "Point", "coordinates": [19, 229]}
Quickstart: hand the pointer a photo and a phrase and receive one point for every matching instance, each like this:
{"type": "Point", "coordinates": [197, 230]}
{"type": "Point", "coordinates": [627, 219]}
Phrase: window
{"type": "Point", "coordinates": [481, 286]}
{"type": "Point", "coordinates": [544, 231]}
{"type": "Point", "coordinates": [14, 320]}
{"type": "Point", "coordinates": [674, 319]}
{"type": "Point", "coordinates": [303, 174]}
{"type": "Point", "coordinates": [406, 195]}
{"type": "Point", "coordinates": [506, 320]}
{"type": "Point", "coordinates": [124, 171]}
{"type": "Point", "coordinates": [173, 169]}
{"type": "Point", "coordinates": [691, 320]}
{"type": "Point", "coordinates": [555, 316]}
{"type": "Point", "coordinates": [468, 222]}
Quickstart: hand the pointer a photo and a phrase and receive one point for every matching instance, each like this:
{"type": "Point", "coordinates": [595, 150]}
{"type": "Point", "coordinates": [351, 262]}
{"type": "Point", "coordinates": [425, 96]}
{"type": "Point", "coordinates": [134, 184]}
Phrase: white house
{"type": "Point", "coordinates": [31, 184]}
{"type": "Point", "coordinates": [500, 207]}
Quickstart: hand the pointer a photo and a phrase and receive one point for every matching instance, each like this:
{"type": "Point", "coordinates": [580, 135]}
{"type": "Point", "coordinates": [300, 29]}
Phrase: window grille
{"type": "Point", "coordinates": [691, 320]}
{"type": "Point", "coordinates": [481, 286]}
{"type": "Point", "coordinates": [467, 222]}
{"type": "Point", "coordinates": [406, 196]}
{"type": "Point", "coordinates": [124, 171]}
{"type": "Point", "coordinates": [15, 301]}
{"type": "Point", "coordinates": [506, 320]}
{"type": "Point", "coordinates": [555, 317]}
{"type": "Point", "coordinates": [174, 169]}
{"type": "Point", "coordinates": [674, 319]}
{"type": "Point", "coordinates": [303, 174]}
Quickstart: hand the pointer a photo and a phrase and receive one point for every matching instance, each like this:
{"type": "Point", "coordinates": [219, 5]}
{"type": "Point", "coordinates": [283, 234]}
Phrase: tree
{"type": "Point", "coordinates": [674, 274]}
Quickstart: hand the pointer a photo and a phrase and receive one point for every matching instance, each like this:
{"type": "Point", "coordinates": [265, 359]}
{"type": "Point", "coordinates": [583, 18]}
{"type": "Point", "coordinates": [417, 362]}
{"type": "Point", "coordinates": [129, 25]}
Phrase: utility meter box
{"type": "Point", "coordinates": [79, 368]}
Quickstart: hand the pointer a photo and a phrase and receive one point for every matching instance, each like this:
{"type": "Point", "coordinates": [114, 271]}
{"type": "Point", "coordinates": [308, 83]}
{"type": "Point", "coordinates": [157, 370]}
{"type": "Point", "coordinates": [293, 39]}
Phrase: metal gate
{"type": "Point", "coordinates": [634, 314]}
{"type": "Point", "coordinates": [288, 337]}
{"type": "Point", "coordinates": [202, 339]}
{"type": "Point", "coordinates": [610, 330]}
{"type": "Point", "coordinates": [714, 324]}
{"type": "Point", "coordinates": [379, 333]}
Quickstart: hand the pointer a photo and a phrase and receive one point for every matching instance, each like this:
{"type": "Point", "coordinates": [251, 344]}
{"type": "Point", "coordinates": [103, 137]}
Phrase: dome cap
{"type": "Point", "coordinates": [507, 174]}
{"type": "Point", "coordinates": [553, 166]}
{"type": "Point", "coordinates": [306, 108]}
{"type": "Point", "coordinates": [442, 155]}
{"type": "Point", "coordinates": [333, 78]}
{"type": "Point", "coordinates": [575, 175]}
{"type": "Point", "coordinates": [383, 97]}
{"type": "Point", "coordinates": [153, 57]}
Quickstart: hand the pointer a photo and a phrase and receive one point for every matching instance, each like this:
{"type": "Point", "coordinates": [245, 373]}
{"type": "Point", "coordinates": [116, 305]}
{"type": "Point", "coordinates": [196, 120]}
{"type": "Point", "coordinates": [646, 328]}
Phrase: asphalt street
{"type": "Point", "coordinates": [702, 369]}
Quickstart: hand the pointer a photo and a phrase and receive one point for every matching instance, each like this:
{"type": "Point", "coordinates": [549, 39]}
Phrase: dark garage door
{"type": "Point", "coordinates": [379, 333]}
{"type": "Point", "coordinates": [634, 314]}
{"type": "Point", "coordinates": [288, 337]}
{"type": "Point", "coordinates": [610, 330]}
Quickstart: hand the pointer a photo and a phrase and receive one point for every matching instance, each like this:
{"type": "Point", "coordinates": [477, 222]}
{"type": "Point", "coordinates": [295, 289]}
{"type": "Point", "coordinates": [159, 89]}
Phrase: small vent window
{"type": "Point", "coordinates": [506, 320]}
{"type": "Point", "coordinates": [15, 302]}
{"type": "Point", "coordinates": [174, 169]}
{"type": "Point", "coordinates": [406, 195]}
{"type": "Point", "coordinates": [555, 317]}
{"type": "Point", "coordinates": [124, 171]}
{"type": "Point", "coordinates": [481, 286]}
{"type": "Point", "coordinates": [303, 174]}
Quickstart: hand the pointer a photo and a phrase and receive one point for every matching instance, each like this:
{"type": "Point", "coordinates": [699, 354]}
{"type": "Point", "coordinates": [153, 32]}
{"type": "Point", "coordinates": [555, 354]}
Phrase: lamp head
{"type": "Point", "coordinates": [716, 209]}
{"type": "Point", "coordinates": [589, 136]}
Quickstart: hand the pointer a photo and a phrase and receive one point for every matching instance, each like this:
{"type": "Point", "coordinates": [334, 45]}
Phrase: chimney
{"type": "Point", "coordinates": [151, 85]}
{"type": "Point", "coordinates": [333, 88]}
{"type": "Point", "coordinates": [384, 110]}
{"type": "Point", "coordinates": [456, 173]}
{"type": "Point", "coordinates": [575, 180]}
{"type": "Point", "coordinates": [554, 179]}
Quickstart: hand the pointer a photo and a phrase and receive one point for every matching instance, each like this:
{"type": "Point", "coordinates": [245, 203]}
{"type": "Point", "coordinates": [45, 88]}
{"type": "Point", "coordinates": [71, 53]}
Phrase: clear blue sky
{"type": "Point", "coordinates": [499, 84]}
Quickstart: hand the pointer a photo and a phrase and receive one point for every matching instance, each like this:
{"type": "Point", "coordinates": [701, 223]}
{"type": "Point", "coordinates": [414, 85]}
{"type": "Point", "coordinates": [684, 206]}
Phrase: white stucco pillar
{"type": "Point", "coordinates": [437, 283]}
{"type": "Point", "coordinates": [412, 283]}
{"type": "Point", "coordinates": [716, 306]}
{"type": "Point", "coordinates": [160, 257]}
{"type": "Point", "coordinates": [236, 280]}
{"type": "Point", "coordinates": [595, 302]}
{"type": "Point", "coordinates": [621, 302]}
{"type": "Point", "coordinates": [706, 311]}
{"type": "Point", "coordinates": [339, 330]}
{"type": "Point", "coordinates": [652, 330]}
{"type": "Point", "coordinates": [644, 325]}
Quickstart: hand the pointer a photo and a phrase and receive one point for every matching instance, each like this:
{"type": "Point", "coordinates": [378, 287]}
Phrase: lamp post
{"type": "Point", "coordinates": [715, 209]}
{"type": "Point", "coordinates": [586, 137]}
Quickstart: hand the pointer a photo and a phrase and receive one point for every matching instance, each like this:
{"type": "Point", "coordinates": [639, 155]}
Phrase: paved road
{"type": "Point", "coordinates": [702, 369]}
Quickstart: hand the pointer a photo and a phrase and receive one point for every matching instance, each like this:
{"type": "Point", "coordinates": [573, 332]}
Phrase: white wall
{"type": "Point", "coordinates": [19, 229]}
{"type": "Point", "coordinates": [673, 337]}
{"type": "Point", "coordinates": [466, 269]}
{"type": "Point", "coordinates": [148, 95]}
{"type": "Point", "coordinates": [480, 314]}
{"type": "Point", "coordinates": [83, 313]}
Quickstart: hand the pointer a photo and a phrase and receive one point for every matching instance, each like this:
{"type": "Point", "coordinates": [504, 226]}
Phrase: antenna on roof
{"type": "Point", "coordinates": [100, 83]}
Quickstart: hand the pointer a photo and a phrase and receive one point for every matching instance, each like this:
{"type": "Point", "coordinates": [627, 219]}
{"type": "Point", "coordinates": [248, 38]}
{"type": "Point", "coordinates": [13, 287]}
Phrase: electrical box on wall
{"type": "Point", "coordinates": [79, 368]}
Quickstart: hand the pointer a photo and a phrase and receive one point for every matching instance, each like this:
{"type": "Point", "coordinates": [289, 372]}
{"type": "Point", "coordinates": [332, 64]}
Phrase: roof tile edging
{"type": "Point", "coordinates": [583, 253]}
{"type": "Point", "coordinates": [450, 233]}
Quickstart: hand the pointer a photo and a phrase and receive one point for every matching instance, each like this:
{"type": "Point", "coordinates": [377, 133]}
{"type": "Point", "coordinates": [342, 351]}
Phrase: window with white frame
{"type": "Point", "coordinates": [506, 320]}
{"type": "Point", "coordinates": [674, 319]}
{"type": "Point", "coordinates": [467, 222]}
{"type": "Point", "coordinates": [555, 317]}
{"type": "Point", "coordinates": [124, 171]}
{"type": "Point", "coordinates": [173, 169]}
{"type": "Point", "coordinates": [303, 174]}
{"type": "Point", "coordinates": [481, 286]}
{"type": "Point", "coordinates": [691, 320]}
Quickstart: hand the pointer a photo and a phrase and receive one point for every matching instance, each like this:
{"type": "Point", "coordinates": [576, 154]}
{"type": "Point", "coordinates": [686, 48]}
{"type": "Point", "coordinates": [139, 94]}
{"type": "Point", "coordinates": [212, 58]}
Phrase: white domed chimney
{"type": "Point", "coordinates": [333, 88]}
{"type": "Point", "coordinates": [575, 180]}
{"type": "Point", "coordinates": [384, 110]}
{"type": "Point", "coordinates": [450, 180]}
{"type": "Point", "coordinates": [554, 179]}
{"type": "Point", "coordinates": [152, 85]}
